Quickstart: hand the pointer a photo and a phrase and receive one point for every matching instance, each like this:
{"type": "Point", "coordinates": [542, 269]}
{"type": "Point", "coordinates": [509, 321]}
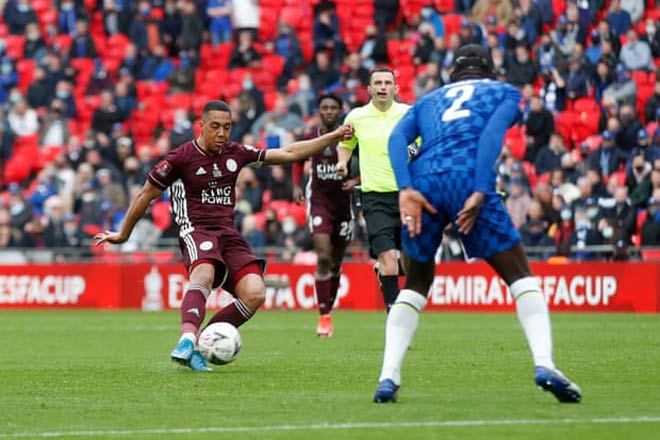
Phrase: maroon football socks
{"type": "Point", "coordinates": [193, 309]}
{"type": "Point", "coordinates": [236, 314]}
{"type": "Point", "coordinates": [324, 293]}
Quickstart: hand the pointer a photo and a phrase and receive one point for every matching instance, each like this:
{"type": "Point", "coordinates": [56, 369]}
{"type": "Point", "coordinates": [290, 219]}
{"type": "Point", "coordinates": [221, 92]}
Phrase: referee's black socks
{"type": "Point", "coordinates": [389, 285]}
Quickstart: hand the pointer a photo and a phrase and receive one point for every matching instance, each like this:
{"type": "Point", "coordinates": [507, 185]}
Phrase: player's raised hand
{"type": "Point", "coordinates": [109, 237]}
{"type": "Point", "coordinates": [345, 132]}
{"type": "Point", "coordinates": [467, 217]}
{"type": "Point", "coordinates": [411, 204]}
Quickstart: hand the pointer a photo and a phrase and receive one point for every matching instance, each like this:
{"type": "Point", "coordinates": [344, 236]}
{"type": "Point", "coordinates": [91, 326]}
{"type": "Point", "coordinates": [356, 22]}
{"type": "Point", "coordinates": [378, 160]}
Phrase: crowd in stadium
{"type": "Point", "coordinates": [94, 92]}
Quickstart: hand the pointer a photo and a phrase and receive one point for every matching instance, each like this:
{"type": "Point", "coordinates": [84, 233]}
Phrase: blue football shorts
{"type": "Point", "coordinates": [492, 233]}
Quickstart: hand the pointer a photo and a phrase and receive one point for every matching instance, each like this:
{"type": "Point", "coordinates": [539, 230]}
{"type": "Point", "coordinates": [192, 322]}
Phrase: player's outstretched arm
{"type": "Point", "coordinates": [303, 149]}
{"type": "Point", "coordinates": [343, 156]}
{"type": "Point", "coordinates": [137, 209]}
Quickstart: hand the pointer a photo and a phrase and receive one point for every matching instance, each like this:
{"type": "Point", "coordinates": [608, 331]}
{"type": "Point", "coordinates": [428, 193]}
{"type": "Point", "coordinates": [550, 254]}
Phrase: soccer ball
{"type": "Point", "coordinates": [220, 343]}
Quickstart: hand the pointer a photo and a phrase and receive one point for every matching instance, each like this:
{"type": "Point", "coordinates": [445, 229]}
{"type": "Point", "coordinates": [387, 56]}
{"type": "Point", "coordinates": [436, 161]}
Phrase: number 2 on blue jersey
{"type": "Point", "coordinates": [460, 94]}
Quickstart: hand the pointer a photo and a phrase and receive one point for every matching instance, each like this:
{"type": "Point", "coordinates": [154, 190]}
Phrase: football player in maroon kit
{"type": "Point", "coordinates": [329, 213]}
{"type": "Point", "coordinates": [201, 175]}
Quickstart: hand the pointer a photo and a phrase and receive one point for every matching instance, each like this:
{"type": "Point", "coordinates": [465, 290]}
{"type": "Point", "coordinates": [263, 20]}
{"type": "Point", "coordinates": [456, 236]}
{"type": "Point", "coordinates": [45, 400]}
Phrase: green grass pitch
{"type": "Point", "coordinates": [97, 374]}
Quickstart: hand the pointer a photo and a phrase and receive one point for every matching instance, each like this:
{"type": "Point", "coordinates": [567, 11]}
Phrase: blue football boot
{"type": "Point", "coordinates": [183, 351]}
{"type": "Point", "coordinates": [554, 381]}
{"type": "Point", "coordinates": [198, 362]}
{"type": "Point", "coordinates": [386, 391]}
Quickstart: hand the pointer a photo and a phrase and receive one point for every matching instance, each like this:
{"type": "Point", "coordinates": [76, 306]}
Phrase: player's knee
{"type": "Point", "coordinates": [324, 262]}
{"type": "Point", "coordinates": [252, 291]}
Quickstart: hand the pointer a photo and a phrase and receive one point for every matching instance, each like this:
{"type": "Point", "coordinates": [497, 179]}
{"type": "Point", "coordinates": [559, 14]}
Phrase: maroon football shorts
{"type": "Point", "coordinates": [324, 217]}
{"type": "Point", "coordinates": [224, 246]}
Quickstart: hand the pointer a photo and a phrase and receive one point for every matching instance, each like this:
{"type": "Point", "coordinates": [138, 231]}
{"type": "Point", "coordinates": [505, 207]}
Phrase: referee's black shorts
{"type": "Point", "coordinates": [381, 213]}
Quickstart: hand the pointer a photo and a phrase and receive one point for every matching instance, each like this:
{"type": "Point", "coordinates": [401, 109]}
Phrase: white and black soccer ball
{"type": "Point", "coordinates": [220, 343]}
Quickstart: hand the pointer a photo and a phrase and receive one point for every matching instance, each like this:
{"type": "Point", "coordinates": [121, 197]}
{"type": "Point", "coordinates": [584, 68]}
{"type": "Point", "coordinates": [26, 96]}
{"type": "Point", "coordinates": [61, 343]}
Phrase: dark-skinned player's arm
{"type": "Point", "coordinates": [303, 149]}
{"type": "Point", "coordinates": [488, 150]}
{"type": "Point", "coordinates": [411, 201]}
{"type": "Point", "coordinates": [138, 207]}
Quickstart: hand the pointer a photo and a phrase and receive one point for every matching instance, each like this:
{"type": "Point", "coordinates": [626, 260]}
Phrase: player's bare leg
{"type": "Point", "coordinates": [401, 326]}
{"type": "Point", "coordinates": [388, 274]}
{"type": "Point", "coordinates": [193, 311]}
{"type": "Point", "coordinates": [250, 294]}
{"type": "Point", "coordinates": [534, 318]}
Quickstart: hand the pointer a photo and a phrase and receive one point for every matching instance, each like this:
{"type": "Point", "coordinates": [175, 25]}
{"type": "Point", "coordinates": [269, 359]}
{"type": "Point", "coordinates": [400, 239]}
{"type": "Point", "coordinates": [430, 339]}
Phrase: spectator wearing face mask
{"type": "Point", "coordinates": [251, 92]}
{"type": "Point", "coordinates": [68, 16]}
{"type": "Point", "coordinates": [622, 213]}
{"type": "Point", "coordinates": [430, 15]}
{"type": "Point", "coordinates": [8, 79]}
{"type": "Point", "coordinates": [55, 128]}
{"type": "Point", "coordinates": [63, 92]}
{"type": "Point", "coordinates": [35, 46]}
{"type": "Point", "coordinates": [425, 44]}
{"type": "Point", "coordinates": [286, 44]}
{"type": "Point", "coordinates": [583, 235]}
{"type": "Point", "coordinates": [561, 231]}
{"type": "Point", "coordinates": [17, 14]}
{"type": "Point", "coordinates": [373, 50]}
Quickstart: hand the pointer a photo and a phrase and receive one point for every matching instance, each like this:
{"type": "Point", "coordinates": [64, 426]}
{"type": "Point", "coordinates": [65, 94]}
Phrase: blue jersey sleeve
{"type": "Point", "coordinates": [405, 132]}
{"type": "Point", "coordinates": [490, 141]}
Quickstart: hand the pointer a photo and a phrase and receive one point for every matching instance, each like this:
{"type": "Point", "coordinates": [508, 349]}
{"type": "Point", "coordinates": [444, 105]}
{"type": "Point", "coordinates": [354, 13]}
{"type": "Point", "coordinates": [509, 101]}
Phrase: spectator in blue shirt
{"type": "Point", "coordinates": [618, 18]}
{"type": "Point", "coordinates": [219, 13]}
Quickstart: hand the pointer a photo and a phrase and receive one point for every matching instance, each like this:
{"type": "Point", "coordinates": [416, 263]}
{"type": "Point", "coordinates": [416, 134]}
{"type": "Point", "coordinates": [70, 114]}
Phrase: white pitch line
{"type": "Point", "coordinates": [331, 426]}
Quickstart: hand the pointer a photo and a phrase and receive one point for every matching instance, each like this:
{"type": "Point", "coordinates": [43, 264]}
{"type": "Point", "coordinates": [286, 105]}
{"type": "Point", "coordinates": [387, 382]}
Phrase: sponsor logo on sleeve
{"type": "Point", "coordinates": [163, 169]}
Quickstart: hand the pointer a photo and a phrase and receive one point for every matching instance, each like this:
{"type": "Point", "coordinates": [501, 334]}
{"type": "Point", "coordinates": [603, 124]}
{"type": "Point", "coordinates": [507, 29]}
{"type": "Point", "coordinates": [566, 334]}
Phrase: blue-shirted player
{"type": "Point", "coordinates": [451, 181]}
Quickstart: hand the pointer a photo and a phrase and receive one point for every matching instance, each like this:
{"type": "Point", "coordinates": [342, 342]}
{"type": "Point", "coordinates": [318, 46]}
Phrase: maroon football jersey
{"type": "Point", "coordinates": [201, 185]}
{"type": "Point", "coordinates": [324, 180]}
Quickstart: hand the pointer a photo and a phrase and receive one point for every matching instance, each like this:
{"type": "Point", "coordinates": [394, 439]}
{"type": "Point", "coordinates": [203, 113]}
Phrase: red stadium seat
{"type": "Point", "coordinates": [62, 43]}
{"type": "Point", "coordinates": [41, 6]}
{"type": "Point", "coordinates": [269, 99]}
{"type": "Point", "coordinates": [452, 23]}
{"type": "Point", "coordinates": [25, 70]}
{"type": "Point", "coordinates": [444, 6]}
{"type": "Point", "coordinates": [178, 100]}
{"type": "Point", "coordinates": [15, 45]}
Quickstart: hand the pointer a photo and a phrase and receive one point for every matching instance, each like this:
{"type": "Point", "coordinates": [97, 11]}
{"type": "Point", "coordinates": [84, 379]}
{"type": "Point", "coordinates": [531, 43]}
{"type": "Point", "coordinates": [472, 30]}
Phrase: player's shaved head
{"type": "Point", "coordinates": [472, 61]}
{"type": "Point", "coordinates": [215, 105]}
